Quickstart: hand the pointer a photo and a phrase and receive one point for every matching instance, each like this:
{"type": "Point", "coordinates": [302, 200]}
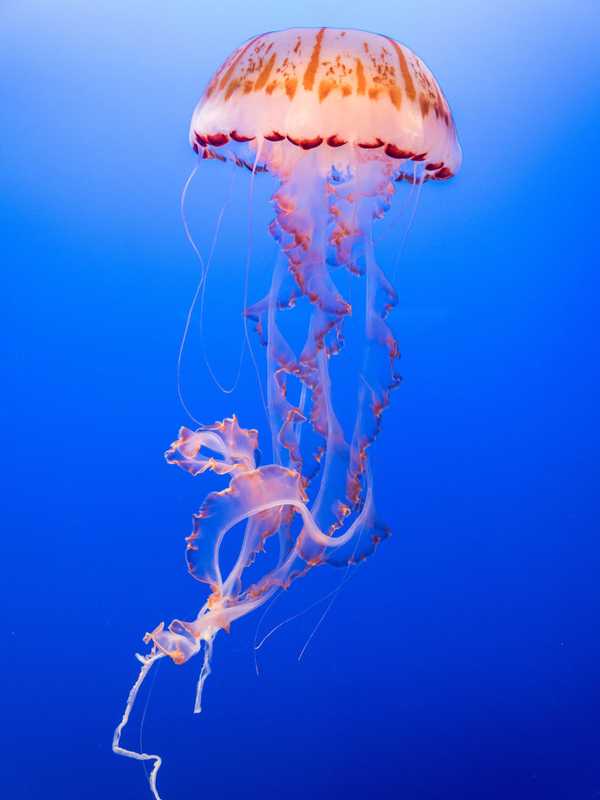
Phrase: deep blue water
{"type": "Point", "coordinates": [462, 660]}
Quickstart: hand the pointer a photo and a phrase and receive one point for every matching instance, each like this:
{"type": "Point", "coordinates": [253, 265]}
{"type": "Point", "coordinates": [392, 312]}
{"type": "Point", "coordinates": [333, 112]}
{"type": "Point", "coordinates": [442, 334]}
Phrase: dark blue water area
{"type": "Point", "coordinates": [461, 660]}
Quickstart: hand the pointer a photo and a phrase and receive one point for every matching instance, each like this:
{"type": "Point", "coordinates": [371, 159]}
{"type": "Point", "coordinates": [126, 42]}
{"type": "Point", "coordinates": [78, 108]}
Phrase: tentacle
{"type": "Point", "coordinates": [267, 497]}
{"type": "Point", "coordinates": [233, 447]}
{"type": "Point", "coordinates": [323, 222]}
{"type": "Point", "coordinates": [358, 198]}
{"type": "Point", "coordinates": [204, 673]}
{"type": "Point", "coordinates": [147, 663]}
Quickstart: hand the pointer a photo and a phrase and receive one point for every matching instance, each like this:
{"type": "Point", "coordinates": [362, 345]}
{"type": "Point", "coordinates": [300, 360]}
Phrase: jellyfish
{"type": "Point", "coordinates": [338, 118]}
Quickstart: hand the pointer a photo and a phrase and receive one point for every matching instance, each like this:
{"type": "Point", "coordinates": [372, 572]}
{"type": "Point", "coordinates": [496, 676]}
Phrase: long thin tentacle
{"type": "Point", "coordinates": [147, 663]}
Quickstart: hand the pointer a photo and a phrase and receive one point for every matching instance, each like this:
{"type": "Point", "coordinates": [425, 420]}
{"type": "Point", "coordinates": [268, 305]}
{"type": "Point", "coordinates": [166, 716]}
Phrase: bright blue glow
{"type": "Point", "coordinates": [462, 663]}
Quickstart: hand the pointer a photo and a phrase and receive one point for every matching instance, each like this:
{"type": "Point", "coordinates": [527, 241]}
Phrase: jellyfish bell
{"type": "Point", "coordinates": [337, 117]}
{"type": "Point", "coordinates": [350, 95]}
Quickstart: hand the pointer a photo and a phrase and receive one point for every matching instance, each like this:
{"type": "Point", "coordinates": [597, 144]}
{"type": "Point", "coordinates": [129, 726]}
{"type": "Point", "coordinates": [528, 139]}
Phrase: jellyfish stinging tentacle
{"type": "Point", "coordinates": [339, 118]}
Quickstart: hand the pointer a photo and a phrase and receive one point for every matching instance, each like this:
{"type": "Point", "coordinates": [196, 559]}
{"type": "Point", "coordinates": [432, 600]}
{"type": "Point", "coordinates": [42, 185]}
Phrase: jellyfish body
{"type": "Point", "coordinates": [338, 117]}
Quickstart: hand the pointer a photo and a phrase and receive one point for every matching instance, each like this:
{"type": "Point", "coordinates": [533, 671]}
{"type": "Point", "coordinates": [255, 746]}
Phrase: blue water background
{"type": "Point", "coordinates": [462, 661]}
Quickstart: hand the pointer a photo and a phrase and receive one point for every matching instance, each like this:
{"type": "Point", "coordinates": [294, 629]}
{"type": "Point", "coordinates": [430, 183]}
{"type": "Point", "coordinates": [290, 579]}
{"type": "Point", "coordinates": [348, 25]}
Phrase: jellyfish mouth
{"type": "Point", "coordinates": [241, 148]}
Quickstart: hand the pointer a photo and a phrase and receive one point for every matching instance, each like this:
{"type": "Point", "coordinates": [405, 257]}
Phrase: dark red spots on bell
{"type": "Point", "coordinates": [274, 137]}
{"type": "Point", "coordinates": [433, 166]}
{"type": "Point", "coordinates": [444, 173]}
{"type": "Point", "coordinates": [419, 157]}
{"type": "Point", "coordinates": [309, 144]}
{"type": "Point", "coordinates": [371, 145]}
{"type": "Point", "coordinates": [394, 152]}
{"type": "Point", "coordinates": [217, 139]}
{"type": "Point", "coordinates": [335, 141]}
{"type": "Point", "coordinates": [195, 147]}
{"type": "Point", "coordinates": [202, 140]}
{"type": "Point", "coordinates": [237, 137]}
{"type": "Point", "coordinates": [306, 144]}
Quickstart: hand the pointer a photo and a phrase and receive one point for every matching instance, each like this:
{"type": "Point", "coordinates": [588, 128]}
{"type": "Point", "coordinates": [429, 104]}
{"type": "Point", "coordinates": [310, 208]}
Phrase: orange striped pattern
{"type": "Point", "coordinates": [382, 68]}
